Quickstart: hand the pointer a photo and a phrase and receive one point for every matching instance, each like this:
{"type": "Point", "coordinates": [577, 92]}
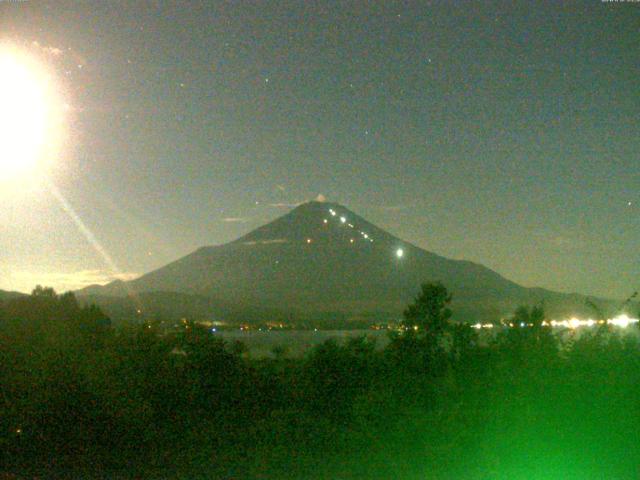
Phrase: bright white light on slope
{"type": "Point", "coordinates": [399, 253]}
{"type": "Point", "coordinates": [343, 219]}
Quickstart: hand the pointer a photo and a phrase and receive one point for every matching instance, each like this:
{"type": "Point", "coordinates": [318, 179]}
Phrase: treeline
{"type": "Point", "coordinates": [80, 399]}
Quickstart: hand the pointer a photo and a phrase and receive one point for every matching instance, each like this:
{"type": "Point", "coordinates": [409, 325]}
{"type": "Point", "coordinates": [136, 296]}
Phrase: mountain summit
{"type": "Point", "coordinates": [321, 260]}
{"type": "Point", "coordinates": [314, 220]}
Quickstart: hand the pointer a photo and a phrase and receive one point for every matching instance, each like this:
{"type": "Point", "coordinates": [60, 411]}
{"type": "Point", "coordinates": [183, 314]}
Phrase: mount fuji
{"type": "Point", "coordinates": [321, 262]}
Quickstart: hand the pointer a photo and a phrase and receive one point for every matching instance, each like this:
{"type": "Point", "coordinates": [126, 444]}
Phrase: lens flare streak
{"type": "Point", "coordinates": [91, 238]}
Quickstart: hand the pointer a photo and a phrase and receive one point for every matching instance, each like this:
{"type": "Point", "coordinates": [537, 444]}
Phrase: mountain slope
{"type": "Point", "coordinates": [8, 295]}
{"type": "Point", "coordinates": [321, 259]}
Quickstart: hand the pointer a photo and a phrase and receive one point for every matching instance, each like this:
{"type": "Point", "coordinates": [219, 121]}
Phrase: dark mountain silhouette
{"type": "Point", "coordinates": [322, 261]}
{"type": "Point", "coordinates": [7, 295]}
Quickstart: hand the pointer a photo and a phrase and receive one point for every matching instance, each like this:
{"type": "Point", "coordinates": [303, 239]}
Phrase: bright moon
{"type": "Point", "coordinates": [30, 115]}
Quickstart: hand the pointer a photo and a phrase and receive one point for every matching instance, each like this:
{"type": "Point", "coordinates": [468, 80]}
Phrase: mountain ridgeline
{"type": "Point", "coordinates": [5, 295]}
{"type": "Point", "coordinates": [321, 263]}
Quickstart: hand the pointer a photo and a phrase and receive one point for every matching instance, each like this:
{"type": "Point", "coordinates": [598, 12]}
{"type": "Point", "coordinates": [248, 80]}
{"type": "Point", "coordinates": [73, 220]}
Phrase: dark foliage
{"type": "Point", "coordinates": [80, 399]}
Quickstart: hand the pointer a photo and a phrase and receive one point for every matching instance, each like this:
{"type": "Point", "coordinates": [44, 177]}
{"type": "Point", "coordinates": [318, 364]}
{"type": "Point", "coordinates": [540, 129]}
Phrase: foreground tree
{"type": "Point", "coordinates": [529, 338]}
{"type": "Point", "coordinates": [526, 316]}
{"type": "Point", "coordinates": [425, 322]}
{"type": "Point", "coordinates": [429, 314]}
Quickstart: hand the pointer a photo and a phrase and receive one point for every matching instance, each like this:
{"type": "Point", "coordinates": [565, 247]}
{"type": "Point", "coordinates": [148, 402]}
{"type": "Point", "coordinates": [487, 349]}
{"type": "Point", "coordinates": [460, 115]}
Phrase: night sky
{"type": "Point", "coordinates": [503, 133]}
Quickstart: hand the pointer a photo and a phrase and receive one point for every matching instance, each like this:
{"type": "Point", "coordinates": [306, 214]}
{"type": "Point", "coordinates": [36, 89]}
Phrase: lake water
{"type": "Point", "coordinates": [296, 342]}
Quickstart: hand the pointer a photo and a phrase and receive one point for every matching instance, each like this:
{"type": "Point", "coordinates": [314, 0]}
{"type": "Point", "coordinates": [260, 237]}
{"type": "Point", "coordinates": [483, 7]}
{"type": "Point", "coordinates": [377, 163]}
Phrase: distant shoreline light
{"type": "Point", "coordinates": [622, 321]}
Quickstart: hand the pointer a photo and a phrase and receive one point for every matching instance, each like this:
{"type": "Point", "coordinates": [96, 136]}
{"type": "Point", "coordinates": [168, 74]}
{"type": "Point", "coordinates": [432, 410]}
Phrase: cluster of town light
{"type": "Point", "coordinates": [622, 321]}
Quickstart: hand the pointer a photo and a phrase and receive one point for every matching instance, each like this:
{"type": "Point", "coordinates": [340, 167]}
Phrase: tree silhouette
{"type": "Point", "coordinates": [425, 322]}
{"type": "Point", "coordinates": [529, 338]}
{"type": "Point", "coordinates": [429, 314]}
{"type": "Point", "coordinates": [41, 291]}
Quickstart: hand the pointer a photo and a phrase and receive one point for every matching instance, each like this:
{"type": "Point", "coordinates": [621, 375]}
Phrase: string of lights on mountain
{"type": "Point", "coordinates": [365, 236]}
